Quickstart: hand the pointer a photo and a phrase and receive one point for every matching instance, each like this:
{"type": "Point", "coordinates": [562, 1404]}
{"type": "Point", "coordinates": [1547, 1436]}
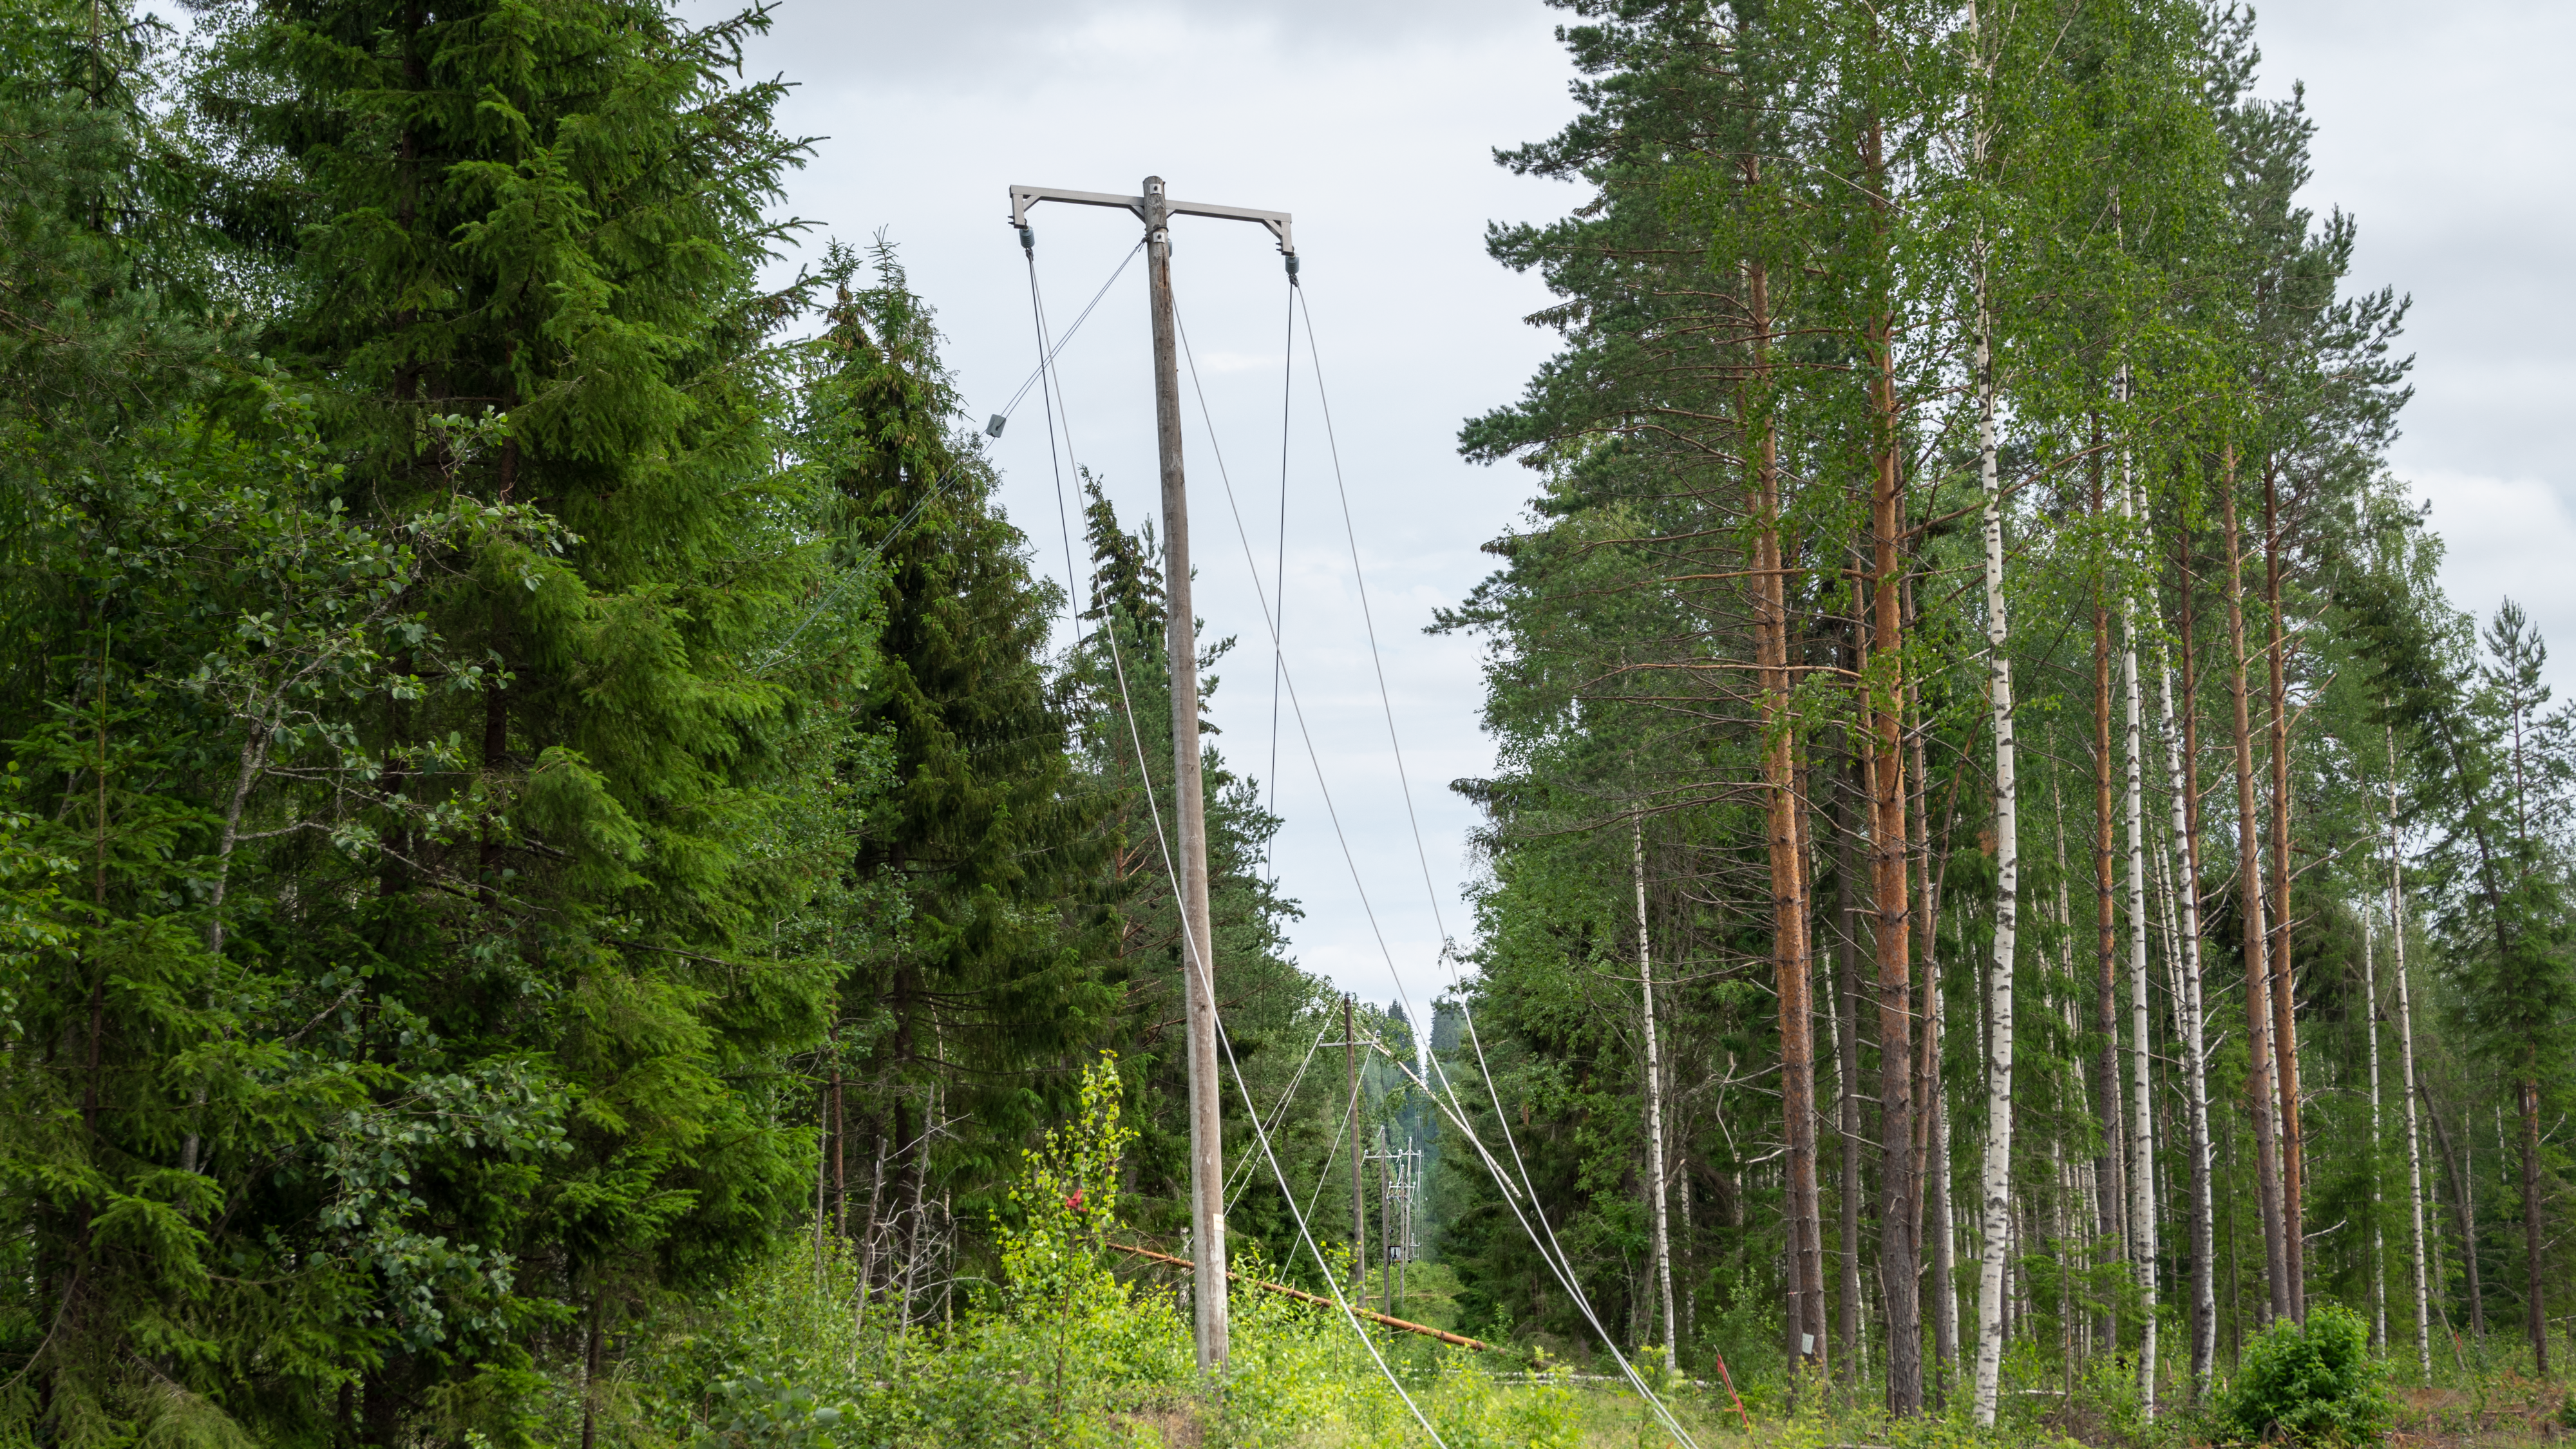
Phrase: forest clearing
{"type": "Point", "coordinates": [570, 874]}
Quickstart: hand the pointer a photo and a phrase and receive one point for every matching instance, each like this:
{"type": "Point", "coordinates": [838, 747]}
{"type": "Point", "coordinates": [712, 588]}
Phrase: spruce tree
{"type": "Point", "coordinates": [966, 1017]}
{"type": "Point", "coordinates": [513, 254]}
{"type": "Point", "coordinates": [1269, 1008]}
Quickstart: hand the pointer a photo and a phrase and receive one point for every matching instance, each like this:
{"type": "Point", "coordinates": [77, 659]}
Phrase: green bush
{"type": "Point", "coordinates": [2317, 1384]}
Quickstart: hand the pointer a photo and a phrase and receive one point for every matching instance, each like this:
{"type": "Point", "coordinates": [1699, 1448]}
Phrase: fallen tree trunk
{"type": "Point", "coordinates": [1302, 1296]}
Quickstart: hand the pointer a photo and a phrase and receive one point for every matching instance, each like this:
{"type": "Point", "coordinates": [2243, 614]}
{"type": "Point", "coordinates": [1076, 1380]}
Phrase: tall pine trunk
{"type": "Point", "coordinates": [1792, 953]}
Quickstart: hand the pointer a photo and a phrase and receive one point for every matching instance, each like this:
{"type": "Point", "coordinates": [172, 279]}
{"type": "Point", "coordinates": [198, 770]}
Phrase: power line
{"type": "Point", "coordinates": [857, 568]}
{"type": "Point", "coordinates": [1197, 958]}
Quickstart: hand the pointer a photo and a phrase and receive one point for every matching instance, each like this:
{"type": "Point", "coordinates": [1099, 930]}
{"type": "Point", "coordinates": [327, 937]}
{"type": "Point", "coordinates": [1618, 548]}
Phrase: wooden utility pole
{"type": "Point", "coordinates": [1359, 1200]}
{"type": "Point", "coordinates": [1189, 806]}
{"type": "Point", "coordinates": [1189, 803]}
{"type": "Point", "coordinates": [1385, 1210]}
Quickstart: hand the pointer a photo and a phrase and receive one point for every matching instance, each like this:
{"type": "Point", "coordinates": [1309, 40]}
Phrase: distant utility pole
{"type": "Point", "coordinates": [1399, 1186]}
{"type": "Point", "coordinates": [1359, 1202]}
{"type": "Point", "coordinates": [1207, 1143]}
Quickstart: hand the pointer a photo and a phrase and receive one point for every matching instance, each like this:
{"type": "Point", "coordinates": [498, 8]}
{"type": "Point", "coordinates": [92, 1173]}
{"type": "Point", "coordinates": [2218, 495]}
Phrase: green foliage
{"type": "Point", "coordinates": [2312, 1383]}
{"type": "Point", "coordinates": [982, 843]}
{"type": "Point", "coordinates": [1066, 1204]}
{"type": "Point", "coordinates": [757, 1413]}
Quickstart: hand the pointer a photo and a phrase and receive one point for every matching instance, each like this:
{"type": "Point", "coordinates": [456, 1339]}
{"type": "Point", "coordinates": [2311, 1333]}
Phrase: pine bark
{"type": "Point", "coordinates": [1792, 949]}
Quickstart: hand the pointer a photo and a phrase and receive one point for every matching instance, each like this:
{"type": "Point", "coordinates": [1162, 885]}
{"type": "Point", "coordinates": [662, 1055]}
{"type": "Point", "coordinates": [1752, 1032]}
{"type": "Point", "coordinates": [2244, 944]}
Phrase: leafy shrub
{"type": "Point", "coordinates": [757, 1413]}
{"type": "Point", "coordinates": [2317, 1384]}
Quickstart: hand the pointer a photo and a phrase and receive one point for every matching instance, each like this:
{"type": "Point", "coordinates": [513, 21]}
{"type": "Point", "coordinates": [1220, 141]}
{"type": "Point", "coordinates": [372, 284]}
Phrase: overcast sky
{"type": "Point", "coordinates": [2445, 130]}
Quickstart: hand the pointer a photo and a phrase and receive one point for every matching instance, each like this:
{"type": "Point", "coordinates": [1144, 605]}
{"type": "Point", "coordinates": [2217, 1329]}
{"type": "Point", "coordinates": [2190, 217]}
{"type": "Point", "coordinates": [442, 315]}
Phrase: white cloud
{"type": "Point", "coordinates": [2509, 537]}
{"type": "Point", "coordinates": [1374, 122]}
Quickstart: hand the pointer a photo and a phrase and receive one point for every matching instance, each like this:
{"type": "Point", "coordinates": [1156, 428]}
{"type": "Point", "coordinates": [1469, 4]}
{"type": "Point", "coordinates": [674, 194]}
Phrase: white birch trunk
{"type": "Point", "coordinates": [2406, 1068]}
{"type": "Point", "coordinates": [2192, 1021]}
{"type": "Point", "coordinates": [1945, 1288]}
{"type": "Point", "coordinates": [2378, 1235]}
{"type": "Point", "coordinates": [1996, 1180]}
{"type": "Point", "coordinates": [2142, 1141]}
{"type": "Point", "coordinates": [1654, 1083]}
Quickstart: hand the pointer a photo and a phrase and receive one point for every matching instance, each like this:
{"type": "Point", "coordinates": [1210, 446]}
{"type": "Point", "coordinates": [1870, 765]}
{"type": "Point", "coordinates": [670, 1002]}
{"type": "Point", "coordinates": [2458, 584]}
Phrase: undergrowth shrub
{"type": "Point", "coordinates": [2312, 1384]}
{"type": "Point", "coordinates": [1061, 1352]}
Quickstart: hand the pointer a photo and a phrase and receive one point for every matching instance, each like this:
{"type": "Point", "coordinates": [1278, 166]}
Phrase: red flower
{"type": "Point", "coordinates": [1073, 1204]}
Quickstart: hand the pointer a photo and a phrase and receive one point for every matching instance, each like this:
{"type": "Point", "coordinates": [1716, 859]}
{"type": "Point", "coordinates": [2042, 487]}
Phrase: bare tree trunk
{"type": "Point", "coordinates": [1932, 1132]}
{"type": "Point", "coordinates": [1901, 1193]}
{"type": "Point", "coordinates": [590, 1374]}
{"type": "Point", "coordinates": [2106, 1001]}
{"type": "Point", "coordinates": [1815, 1330]}
{"type": "Point", "coordinates": [840, 1143]}
{"type": "Point", "coordinates": [2535, 1310]}
{"type": "Point", "coordinates": [2069, 1183]}
{"type": "Point", "coordinates": [254, 763]}
{"type": "Point", "coordinates": [2182, 770]}
{"type": "Point", "coordinates": [2459, 1167]}
{"type": "Point", "coordinates": [2406, 1066]}
{"type": "Point", "coordinates": [2285, 1023]}
{"type": "Point", "coordinates": [2258, 999]}
{"type": "Point", "coordinates": [1846, 1024]}
{"type": "Point", "coordinates": [868, 1235]}
{"type": "Point", "coordinates": [1654, 1082]}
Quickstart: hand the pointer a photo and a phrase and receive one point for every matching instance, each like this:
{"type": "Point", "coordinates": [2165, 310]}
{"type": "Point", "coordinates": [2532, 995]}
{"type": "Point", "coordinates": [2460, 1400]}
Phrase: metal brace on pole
{"type": "Point", "coordinates": [1207, 1142]}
